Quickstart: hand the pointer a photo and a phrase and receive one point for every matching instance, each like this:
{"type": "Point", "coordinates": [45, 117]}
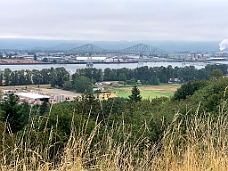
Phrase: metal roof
{"type": "Point", "coordinates": [32, 95]}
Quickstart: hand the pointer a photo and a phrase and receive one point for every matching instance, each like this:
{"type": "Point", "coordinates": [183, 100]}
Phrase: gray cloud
{"type": "Point", "coordinates": [115, 19]}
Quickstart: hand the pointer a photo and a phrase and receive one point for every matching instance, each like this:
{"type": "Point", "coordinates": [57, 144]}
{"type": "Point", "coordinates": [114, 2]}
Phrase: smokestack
{"type": "Point", "coordinates": [223, 45]}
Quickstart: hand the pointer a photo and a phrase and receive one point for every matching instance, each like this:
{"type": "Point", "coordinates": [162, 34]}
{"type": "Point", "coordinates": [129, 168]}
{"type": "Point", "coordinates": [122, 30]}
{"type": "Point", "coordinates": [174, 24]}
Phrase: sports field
{"type": "Point", "coordinates": [146, 91]}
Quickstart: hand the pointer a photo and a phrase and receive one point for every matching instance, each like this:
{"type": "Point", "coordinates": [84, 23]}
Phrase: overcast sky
{"type": "Point", "coordinates": [194, 20]}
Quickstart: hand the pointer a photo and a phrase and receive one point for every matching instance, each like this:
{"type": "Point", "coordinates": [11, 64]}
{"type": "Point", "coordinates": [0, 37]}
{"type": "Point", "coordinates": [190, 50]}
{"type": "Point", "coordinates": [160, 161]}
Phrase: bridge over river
{"type": "Point", "coordinates": [141, 50]}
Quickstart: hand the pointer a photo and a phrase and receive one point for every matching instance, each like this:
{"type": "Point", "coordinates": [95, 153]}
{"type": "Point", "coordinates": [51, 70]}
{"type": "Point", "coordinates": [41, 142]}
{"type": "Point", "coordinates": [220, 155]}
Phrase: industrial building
{"type": "Point", "coordinates": [33, 98]}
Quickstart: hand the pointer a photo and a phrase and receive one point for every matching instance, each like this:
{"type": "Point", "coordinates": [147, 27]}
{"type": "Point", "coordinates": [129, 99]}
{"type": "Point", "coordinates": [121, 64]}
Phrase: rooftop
{"type": "Point", "coordinates": [32, 95]}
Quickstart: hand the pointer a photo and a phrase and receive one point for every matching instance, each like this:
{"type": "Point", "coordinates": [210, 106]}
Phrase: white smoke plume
{"type": "Point", "coordinates": [223, 45]}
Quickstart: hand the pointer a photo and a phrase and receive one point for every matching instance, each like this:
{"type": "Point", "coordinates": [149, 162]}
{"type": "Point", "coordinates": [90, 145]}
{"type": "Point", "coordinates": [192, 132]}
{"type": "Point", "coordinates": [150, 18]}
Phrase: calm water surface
{"type": "Point", "coordinates": [73, 67]}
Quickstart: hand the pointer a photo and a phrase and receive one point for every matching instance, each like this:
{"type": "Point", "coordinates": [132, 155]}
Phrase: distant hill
{"type": "Point", "coordinates": [54, 45]}
{"type": "Point", "coordinates": [65, 46]}
{"type": "Point", "coordinates": [166, 45]}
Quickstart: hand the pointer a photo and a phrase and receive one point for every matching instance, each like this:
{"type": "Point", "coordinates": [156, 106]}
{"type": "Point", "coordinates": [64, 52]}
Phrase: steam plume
{"type": "Point", "coordinates": [223, 45]}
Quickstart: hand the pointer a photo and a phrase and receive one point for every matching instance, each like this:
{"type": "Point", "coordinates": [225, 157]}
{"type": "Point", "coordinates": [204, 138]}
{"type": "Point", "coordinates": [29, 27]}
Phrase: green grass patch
{"type": "Point", "coordinates": [146, 94]}
{"type": "Point", "coordinates": [147, 91]}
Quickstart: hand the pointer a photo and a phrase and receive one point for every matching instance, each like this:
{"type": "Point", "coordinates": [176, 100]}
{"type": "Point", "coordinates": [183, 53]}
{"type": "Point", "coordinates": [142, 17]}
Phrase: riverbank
{"type": "Point", "coordinates": [80, 62]}
{"type": "Point", "coordinates": [73, 67]}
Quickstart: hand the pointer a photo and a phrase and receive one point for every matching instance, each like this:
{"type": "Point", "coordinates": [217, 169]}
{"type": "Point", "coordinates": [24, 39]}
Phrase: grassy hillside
{"type": "Point", "coordinates": [204, 147]}
{"type": "Point", "coordinates": [188, 133]}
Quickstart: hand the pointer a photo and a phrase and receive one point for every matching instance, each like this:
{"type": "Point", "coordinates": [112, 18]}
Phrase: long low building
{"type": "Point", "coordinates": [33, 96]}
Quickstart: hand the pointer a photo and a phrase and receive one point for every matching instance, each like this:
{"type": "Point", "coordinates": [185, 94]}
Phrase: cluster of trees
{"type": "Point", "coordinates": [83, 79]}
{"type": "Point", "coordinates": [151, 75]}
{"type": "Point", "coordinates": [209, 94]}
{"type": "Point", "coordinates": [53, 76]}
{"type": "Point", "coordinates": [61, 78]}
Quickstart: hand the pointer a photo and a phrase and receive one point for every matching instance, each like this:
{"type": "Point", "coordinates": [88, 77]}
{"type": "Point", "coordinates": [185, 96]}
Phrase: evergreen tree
{"type": "Point", "coordinates": [43, 108]}
{"type": "Point", "coordinates": [13, 113]}
{"type": "Point", "coordinates": [53, 77]}
{"type": "Point", "coordinates": [135, 94]}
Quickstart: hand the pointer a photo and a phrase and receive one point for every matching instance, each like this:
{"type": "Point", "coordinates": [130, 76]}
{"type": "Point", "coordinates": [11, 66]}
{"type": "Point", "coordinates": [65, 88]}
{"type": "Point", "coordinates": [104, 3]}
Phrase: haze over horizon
{"type": "Point", "coordinates": [109, 20]}
{"type": "Point", "coordinates": [42, 44]}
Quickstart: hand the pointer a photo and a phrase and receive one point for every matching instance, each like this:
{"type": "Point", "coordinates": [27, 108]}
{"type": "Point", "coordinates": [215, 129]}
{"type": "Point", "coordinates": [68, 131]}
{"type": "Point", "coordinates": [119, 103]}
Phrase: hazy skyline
{"type": "Point", "coordinates": [201, 20]}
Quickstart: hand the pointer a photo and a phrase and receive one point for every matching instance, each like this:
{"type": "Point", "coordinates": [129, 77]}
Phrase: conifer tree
{"type": "Point", "coordinates": [135, 94]}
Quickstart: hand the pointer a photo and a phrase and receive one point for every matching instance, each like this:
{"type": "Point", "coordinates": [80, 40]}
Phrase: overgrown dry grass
{"type": "Point", "coordinates": [190, 143]}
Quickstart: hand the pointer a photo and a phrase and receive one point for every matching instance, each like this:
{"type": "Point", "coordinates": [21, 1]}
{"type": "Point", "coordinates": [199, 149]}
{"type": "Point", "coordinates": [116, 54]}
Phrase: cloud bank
{"type": "Point", "coordinates": [114, 19]}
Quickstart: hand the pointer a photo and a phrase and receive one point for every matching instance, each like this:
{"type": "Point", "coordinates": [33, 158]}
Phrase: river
{"type": "Point", "coordinates": [73, 67]}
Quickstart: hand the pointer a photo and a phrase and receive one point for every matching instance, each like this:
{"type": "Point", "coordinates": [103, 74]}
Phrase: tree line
{"type": "Point", "coordinates": [53, 76]}
{"type": "Point", "coordinates": [84, 78]}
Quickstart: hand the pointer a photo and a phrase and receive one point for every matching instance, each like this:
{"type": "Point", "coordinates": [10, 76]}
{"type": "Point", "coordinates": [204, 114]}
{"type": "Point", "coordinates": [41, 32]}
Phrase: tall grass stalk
{"type": "Point", "coordinates": [190, 143]}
